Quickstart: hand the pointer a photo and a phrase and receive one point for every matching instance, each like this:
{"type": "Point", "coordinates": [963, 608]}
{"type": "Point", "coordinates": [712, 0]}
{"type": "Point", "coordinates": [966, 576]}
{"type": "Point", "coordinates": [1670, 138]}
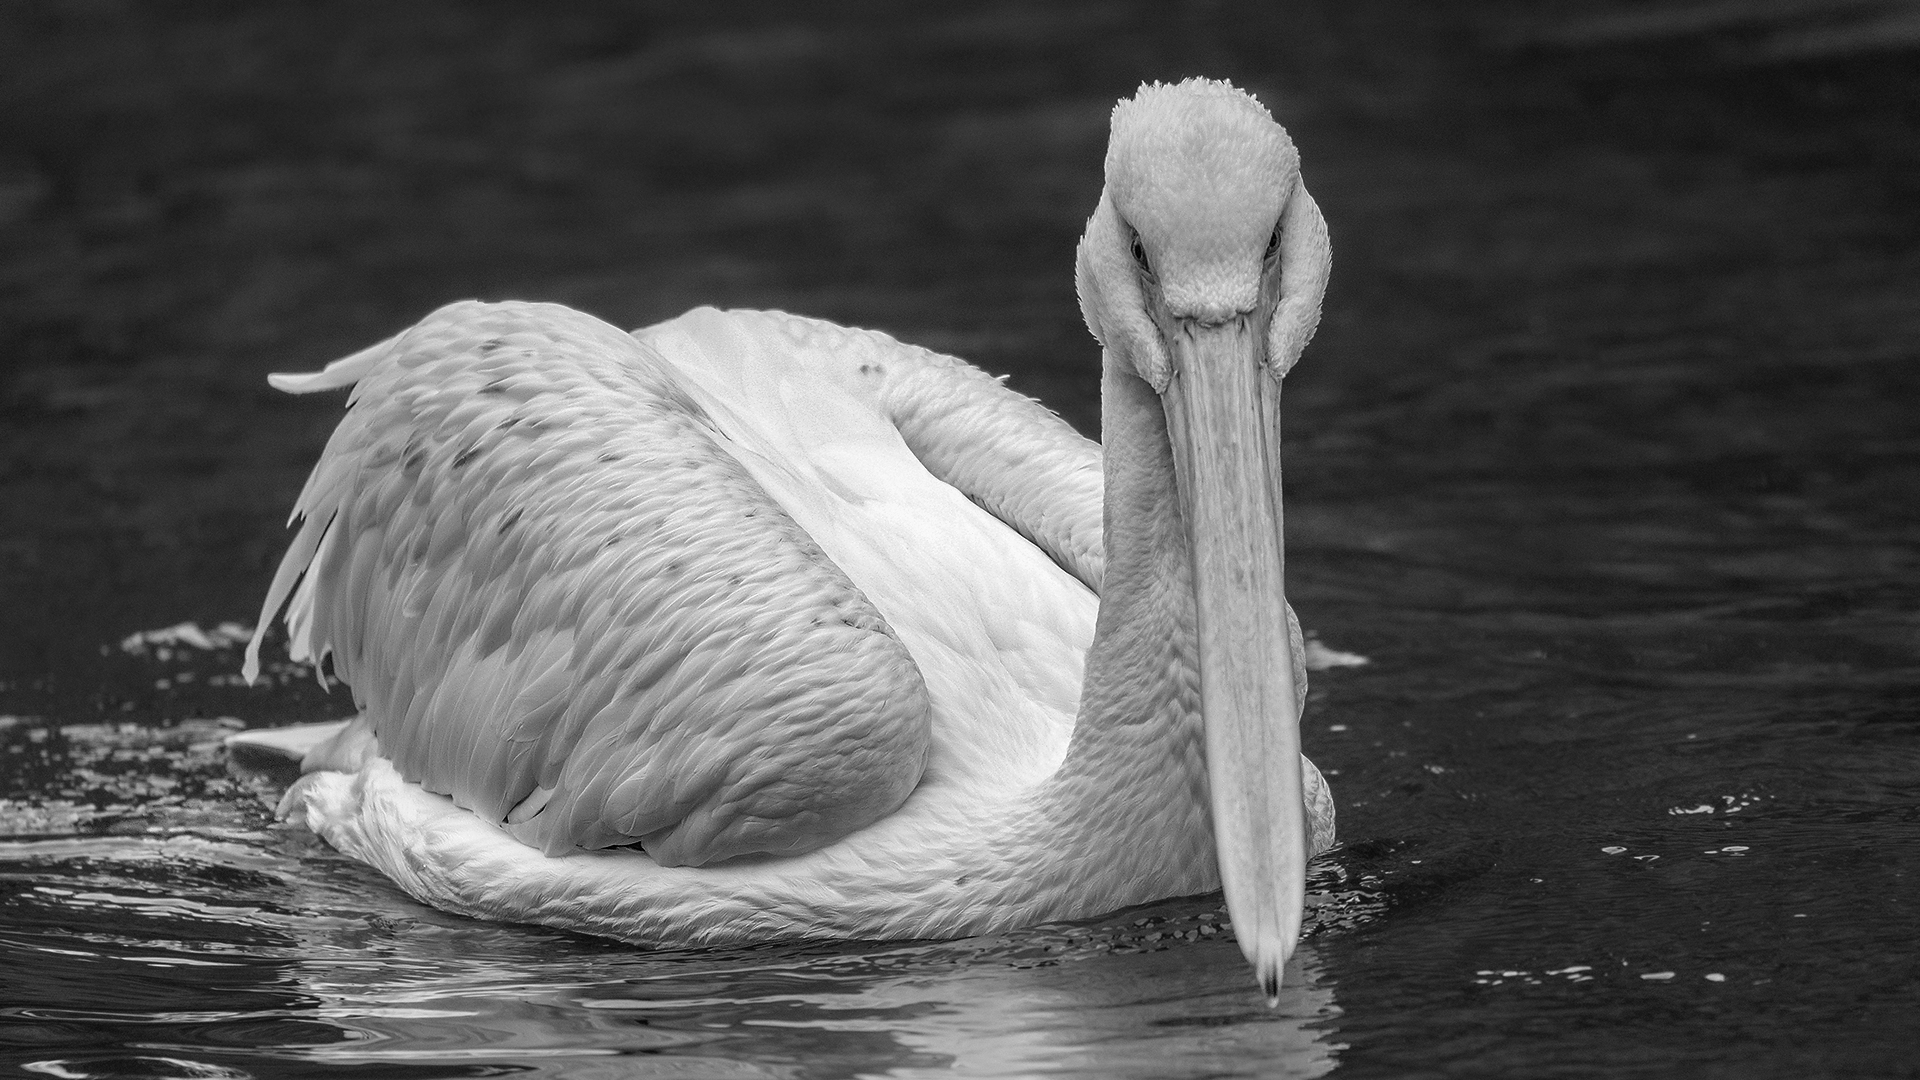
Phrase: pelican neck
{"type": "Point", "coordinates": [1135, 771]}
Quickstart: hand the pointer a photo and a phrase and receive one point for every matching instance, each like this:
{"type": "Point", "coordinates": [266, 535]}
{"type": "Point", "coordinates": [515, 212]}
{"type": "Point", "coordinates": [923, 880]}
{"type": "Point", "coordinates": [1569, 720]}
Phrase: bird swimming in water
{"type": "Point", "coordinates": [748, 626]}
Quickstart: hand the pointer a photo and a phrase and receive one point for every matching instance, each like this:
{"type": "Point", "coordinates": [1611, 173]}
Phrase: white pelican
{"type": "Point", "coordinates": [747, 626]}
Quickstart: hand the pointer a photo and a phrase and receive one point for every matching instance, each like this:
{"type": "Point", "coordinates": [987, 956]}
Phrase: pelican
{"type": "Point", "coordinates": [749, 626]}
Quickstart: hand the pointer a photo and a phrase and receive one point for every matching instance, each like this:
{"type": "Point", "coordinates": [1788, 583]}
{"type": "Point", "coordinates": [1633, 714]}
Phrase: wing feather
{"type": "Point", "coordinates": [1010, 454]}
{"type": "Point", "coordinates": [557, 598]}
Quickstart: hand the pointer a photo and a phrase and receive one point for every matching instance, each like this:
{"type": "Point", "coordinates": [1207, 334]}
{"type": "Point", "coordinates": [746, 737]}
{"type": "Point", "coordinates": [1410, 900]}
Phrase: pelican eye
{"type": "Point", "coordinates": [1273, 244]}
{"type": "Point", "coordinates": [1140, 255]}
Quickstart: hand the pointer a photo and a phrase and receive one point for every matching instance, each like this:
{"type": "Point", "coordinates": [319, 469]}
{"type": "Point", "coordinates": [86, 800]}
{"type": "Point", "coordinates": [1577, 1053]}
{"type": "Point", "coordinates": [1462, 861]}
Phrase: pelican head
{"type": "Point", "coordinates": [1201, 273]}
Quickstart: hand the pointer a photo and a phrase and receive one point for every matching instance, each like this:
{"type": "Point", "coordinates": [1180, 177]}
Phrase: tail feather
{"type": "Point", "coordinates": [287, 743]}
{"type": "Point", "coordinates": [282, 755]}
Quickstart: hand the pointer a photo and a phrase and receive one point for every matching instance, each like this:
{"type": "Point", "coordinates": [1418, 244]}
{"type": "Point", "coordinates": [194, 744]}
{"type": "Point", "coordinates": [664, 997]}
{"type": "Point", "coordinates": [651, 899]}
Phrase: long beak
{"type": "Point", "coordinates": [1223, 419]}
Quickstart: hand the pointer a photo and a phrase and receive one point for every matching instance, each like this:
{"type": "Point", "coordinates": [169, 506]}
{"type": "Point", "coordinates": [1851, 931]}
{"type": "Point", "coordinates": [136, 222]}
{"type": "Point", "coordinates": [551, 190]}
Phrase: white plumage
{"type": "Point", "coordinates": [749, 625]}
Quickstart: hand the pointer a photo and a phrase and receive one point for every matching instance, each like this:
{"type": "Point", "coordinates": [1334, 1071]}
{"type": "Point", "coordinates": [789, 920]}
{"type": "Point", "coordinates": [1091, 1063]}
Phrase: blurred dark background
{"type": "Point", "coordinates": [1660, 217]}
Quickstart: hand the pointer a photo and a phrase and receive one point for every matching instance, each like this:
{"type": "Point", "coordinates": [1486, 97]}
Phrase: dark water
{"type": "Point", "coordinates": [1607, 456]}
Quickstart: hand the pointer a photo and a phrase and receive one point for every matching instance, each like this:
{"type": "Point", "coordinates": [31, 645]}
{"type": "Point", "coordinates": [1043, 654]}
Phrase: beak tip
{"type": "Point", "coordinates": [1269, 966]}
{"type": "Point", "coordinates": [1270, 986]}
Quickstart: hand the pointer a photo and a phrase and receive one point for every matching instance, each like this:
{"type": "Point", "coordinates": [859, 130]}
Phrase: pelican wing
{"type": "Point", "coordinates": [561, 600]}
{"type": "Point", "coordinates": [1008, 453]}
{"type": "Point", "coordinates": [968, 514]}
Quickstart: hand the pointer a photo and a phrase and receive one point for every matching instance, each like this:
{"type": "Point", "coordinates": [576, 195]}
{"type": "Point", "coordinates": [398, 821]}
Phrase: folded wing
{"type": "Point", "coordinates": [560, 601]}
{"type": "Point", "coordinates": [1008, 453]}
